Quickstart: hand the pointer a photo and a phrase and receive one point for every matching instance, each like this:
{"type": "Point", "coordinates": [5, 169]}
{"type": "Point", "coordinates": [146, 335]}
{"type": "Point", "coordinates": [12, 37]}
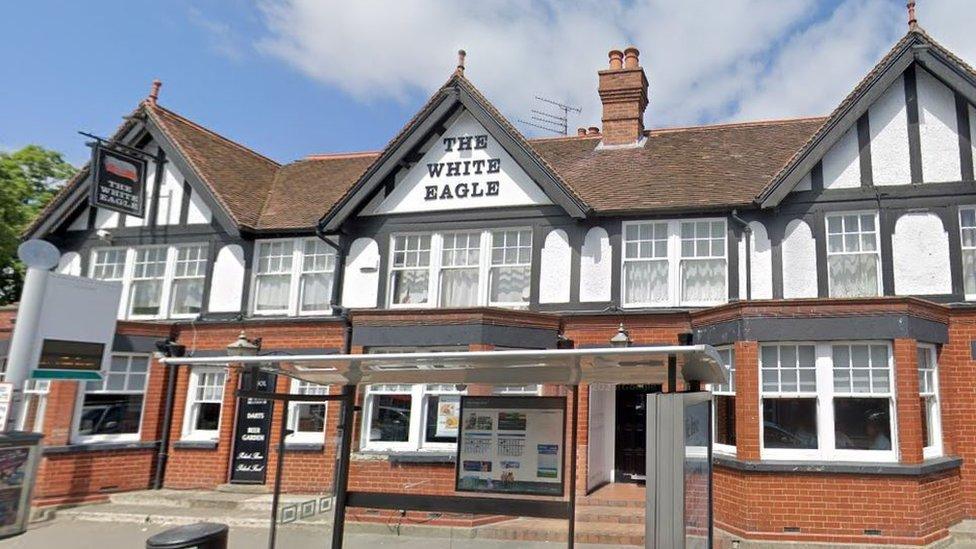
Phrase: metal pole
{"type": "Point", "coordinates": [20, 355]}
{"type": "Point", "coordinates": [571, 538]}
{"type": "Point", "coordinates": [342, 465]}
{"type": "Point", "coordinates": [280, 468]}
{"type": "Point", "coordinates": [672, 373]}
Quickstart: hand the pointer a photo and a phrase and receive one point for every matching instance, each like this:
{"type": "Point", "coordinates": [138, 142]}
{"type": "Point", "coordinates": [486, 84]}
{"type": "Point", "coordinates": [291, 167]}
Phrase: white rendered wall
{"type": "Point", "coordinates": [841, 164]}
{"type": "Point", "coordinates": [198, 212]}
{"type": "Point", "coordinates": [70, 264]}
{"type": "Point", "coordinates": [761, 267]}
{"type": "Point", "coordinates": [972, 128]}
{"type": "Point", "coordinates": [888, 119]}
{"type": "Point", "coordinates": [920, 250]}
{"type": "Point", "coordinates": [170, 196]}
{"type": "Point", "coordinates": [799, 261]}
{"type": "Point", "coordinates": [554, 279]}
{"type": "Point", "coordinates": [150, 189]}
{"type": "Point", "coordinates": [227, 283]}
{"type": "Point", "coordinates": [80, 222]}
{"type": "Point", "coordinates": [361, 278]}
{"type": "Point", "coordinates": [596, 266]}
{"type": "Point", "coordinates": [937, 129]}
{"type": "Point", "coordinates": [106, 219]}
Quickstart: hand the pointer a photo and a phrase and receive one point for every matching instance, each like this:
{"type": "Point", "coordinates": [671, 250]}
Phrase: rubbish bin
{"type": "Point", "coordinates": [203, 535]}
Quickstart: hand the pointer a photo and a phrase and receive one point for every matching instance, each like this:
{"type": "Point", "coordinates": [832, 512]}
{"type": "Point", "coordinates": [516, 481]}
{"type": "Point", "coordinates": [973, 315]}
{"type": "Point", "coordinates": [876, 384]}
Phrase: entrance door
{"type": "Point", "coordinates": [631, 430]}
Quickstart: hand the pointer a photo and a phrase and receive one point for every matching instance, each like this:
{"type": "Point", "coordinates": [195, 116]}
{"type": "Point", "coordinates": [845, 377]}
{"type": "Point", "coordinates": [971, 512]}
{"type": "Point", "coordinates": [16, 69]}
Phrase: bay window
{"type": "Point", "coordinates": [293, 276]}
{"type": "Point", "coordinates": [967, 229]}
{"type": "Point", "coordinates": [461, 269]}
{"type": "Point", "coordinates": [827, 401]}
{"type": "Point", "coordinates": [674, 262]}
{"type": "Point", "coordinates": [111, 409]}
{"type": "Point", "coordinates": [853, 255]}
{"type": "Point", "coordinates": [724, 405]}
{"type": "Point", "coordinates": [204, 400]}
{"type": "Point", "coordinates": [404, 417]}
{"type": "Point", "coordinates": [157, 281]}
{"type": "Point", "coordinates": [928, 394]}
{"type": "Point", "coordinates": [306, 420]}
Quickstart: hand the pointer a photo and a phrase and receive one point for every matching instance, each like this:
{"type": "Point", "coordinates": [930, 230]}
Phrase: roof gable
{"type": "Point", "coordinates": [457, 96]}
{"type": "Point", "coordinates": [916, 47]}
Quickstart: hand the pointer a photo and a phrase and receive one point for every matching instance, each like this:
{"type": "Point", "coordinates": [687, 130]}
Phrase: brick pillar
{"type": "Point", "coordinates": [747, 402]}
{"type": "Point", "coordinates": [59, 412]}
{"type": "Point", "coordinates": [479, 389]}
{"type": "Point", "coordinates": [906, 397]}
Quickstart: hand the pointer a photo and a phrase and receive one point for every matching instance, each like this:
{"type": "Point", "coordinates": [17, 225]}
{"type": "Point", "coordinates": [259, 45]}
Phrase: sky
{"type": "Point", "coordinates": [290, 78]}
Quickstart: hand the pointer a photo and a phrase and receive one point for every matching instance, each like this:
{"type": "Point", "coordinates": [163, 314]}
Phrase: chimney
{"type": "Point", "coordinates": [154, 92]}
{"type": "Point", "coordinates": [623, 91]}
{"type": "Point", "coordinates": [581, 132]}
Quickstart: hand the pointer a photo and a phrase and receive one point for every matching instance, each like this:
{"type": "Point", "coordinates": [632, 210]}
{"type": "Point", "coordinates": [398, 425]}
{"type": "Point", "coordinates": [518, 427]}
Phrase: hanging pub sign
{"type": "Point", "coordinates": [251, 432]}
{"type": "Point", "coordinates": [118, 182]}
{"type": "Point", "coordinates": [511, 445]}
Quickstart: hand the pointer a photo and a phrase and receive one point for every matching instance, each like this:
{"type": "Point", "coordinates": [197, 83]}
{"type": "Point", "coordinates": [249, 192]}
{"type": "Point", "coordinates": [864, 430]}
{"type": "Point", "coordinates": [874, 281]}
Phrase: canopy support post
{"type": "Point", "coordinates": [346, 423]}
{"type": "Point", "coordinates": [571, 537]}
{"type": "Point", "coordinates": [278, 472]}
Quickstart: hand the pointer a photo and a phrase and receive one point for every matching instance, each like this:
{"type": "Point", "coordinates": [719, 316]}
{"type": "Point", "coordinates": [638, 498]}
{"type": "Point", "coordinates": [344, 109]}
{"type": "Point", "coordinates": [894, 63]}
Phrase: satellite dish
{"type": "Point", "coordinates": [39, 254]}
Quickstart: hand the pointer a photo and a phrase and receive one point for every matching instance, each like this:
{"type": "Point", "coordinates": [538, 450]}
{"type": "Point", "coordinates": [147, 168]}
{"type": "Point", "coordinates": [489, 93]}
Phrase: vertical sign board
{"type": "Point", "coordinates": [17, 466]}
{"type": "Point", "coordinates": [512, 445]}
{"type": "Point", "coordinates": [118, 182]}
{"type": "Point", "coordinates": [251, 432]}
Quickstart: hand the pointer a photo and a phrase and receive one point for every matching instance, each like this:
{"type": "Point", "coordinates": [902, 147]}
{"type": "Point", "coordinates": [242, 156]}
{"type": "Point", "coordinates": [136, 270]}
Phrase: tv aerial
{"type": "Point", "coordinates": [555, 123]}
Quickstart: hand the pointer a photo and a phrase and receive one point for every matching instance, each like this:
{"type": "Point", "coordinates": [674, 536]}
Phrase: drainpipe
{"type": "Point", "coordinates": [163, 455]}
{"type": "Point", "coordinates": [748, 233]}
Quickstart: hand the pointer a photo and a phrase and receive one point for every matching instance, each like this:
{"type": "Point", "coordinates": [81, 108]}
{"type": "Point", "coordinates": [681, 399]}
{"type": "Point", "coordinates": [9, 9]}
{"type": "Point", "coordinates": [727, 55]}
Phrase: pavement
{"type": "Point", "coordinates": [79, 534]}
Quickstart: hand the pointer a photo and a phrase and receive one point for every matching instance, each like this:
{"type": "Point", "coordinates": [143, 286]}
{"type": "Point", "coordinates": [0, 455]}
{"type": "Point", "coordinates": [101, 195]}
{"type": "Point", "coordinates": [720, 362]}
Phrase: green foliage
{"type": "Point", "coordinates": [29, 178]}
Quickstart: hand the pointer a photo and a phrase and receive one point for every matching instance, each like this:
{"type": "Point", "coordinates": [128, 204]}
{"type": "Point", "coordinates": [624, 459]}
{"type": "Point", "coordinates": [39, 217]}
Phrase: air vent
{"type": "Point", "coordinates": [791, 529]}
{"type": "Point", "coordinates": [872, 532]}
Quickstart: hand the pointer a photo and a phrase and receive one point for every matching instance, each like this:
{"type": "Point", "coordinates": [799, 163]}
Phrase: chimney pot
{"type": "Point", "coordinates": [593, 130]}
{"type": "Point", "coordinates": [460, 65]}
{"type": "Point", "coordinates": [631, 58]}
{"type": "Point", "coordinates": [581, 131]}
{"type": "Point", "coordinates": [154, 91]}
{"type": "Point", "coordinates": [616, 60]}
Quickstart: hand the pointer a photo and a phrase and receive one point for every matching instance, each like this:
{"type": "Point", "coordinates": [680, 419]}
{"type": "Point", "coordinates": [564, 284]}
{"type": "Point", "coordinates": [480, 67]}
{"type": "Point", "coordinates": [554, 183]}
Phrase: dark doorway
{"type": "Point", "coordinates": [631, 438]}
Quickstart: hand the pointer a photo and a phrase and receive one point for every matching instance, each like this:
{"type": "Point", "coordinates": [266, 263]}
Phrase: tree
{"type": "Point", "coordinates": [29, 178]}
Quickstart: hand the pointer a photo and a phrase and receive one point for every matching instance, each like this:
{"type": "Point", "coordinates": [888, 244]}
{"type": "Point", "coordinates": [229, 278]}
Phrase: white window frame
{"type": "Point", "coordinates": [532, 389]}
{"type": "Point", "coordinates": [486, 282]}
{"type": "Point", "coordinates": [295, 283]}
{"type": "Point", "coordinates": [299, 387]}
{"type": "Point", "coordinates": [962, 241]}
{"type": "Point", "coordinates": [128, 272]}
{"type": "Point", "coordinates": [77, 438]}
{"type": "Point", "coordinates": [877, 247]}
{"type": "Point", "coordinates": [190, 411]}
{"type": "Point", "coordinates": [675, 260]}
{"type": "Point", "coordinates": [934, 423]}
{"type": "Point", "coordinates": [436, 268]}
{"type": "Point", "coordinates": [724, 389]}
{"type": "Point", "coordinates": [418, 417]}
{"type": "Point", "coordinates": [174, 277]}
{"type": "Point", "coordinates": [825, 395]}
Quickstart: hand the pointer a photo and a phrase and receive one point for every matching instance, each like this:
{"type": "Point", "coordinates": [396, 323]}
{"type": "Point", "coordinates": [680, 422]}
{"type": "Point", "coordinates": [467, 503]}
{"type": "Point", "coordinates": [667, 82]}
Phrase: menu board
{"type": "Point", "coordinates": [14, 463]}
{"type": "Point", "coordinates": [251, 434]}
{"type": "Point", "coordinates": [511, 445]}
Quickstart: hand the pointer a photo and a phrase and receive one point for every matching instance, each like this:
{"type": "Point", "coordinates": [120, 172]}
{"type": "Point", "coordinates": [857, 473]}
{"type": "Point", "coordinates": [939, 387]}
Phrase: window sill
{"type": "Point", "coordinates": [407, 456]}
{"type": "Point", "coordinates": [99, 447]}
{"type": "Point", "coordinates": [195, 444]}
{"type": "Point", "coordinates": [927, 467]}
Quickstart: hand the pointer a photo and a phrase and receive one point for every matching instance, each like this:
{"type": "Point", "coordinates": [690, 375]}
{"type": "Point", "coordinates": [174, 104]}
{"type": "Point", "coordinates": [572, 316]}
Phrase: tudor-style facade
{"type": "Point", "coordinates": [831, 261]}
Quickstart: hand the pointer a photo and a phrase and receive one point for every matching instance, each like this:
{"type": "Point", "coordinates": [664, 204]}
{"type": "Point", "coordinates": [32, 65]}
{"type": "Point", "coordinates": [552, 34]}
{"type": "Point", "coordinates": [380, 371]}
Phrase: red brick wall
{"type": "Point", "coordinates": [957, 372]}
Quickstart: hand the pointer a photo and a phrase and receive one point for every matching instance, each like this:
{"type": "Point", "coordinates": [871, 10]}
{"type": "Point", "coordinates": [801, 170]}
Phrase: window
{"type": "Point", "coordinates": [853, 255]}
{"type": "Point", "coordinates": [307, 419]}
{"type": "Point", "coordinates": [928, 393]}
{"type": "Point", "coordinates": [201, 418]}
{"type": "Point", "coordinates": [111, 409]}
{"type": "Point", "coordinates": [318, 266]}
{"type": "Point", "coordinates": [273, 276]}
{"type": "Point", "coordinates": [411, 417]}
{"type": "Point", "coordinates": [293, 277]}
{"type": "Point", "coordinates": [35, 401]}
{"type": "Point", "coordinates": [967, 228]}
{"type": "Point", "coordinates": [724, 403]}
{"type": "Point", "coordinates": [461, 269]}
{"type": "Point", "coordinates": [676, 262]}
{"type": "Point", "coordinates": [157, 281]}
{"type": "Point", "coordinates": [511, 267]}
{"type": "Point", "coordinates": [188, 279]}
{"type": "Point", "coordinates": [410, 271]}
{"type": "Point", "coordinates": [827, 401]}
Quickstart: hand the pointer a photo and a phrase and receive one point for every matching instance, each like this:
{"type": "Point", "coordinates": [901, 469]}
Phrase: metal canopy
{"type": "Point", "coordinates": [563, 366]}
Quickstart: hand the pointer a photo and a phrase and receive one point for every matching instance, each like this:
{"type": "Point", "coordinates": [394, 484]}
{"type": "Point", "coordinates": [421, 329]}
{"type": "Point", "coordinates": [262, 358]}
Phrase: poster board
{"type": "Point", "coordinates": [511, 445]}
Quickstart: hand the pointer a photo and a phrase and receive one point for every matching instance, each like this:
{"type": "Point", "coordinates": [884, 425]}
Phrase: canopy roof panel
{"type": "Point", "coordinates": [564, 366]}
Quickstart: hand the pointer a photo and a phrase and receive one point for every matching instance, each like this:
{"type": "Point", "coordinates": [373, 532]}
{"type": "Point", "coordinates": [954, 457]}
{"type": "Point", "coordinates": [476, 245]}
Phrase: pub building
{"type": "Point", "coordinates": [830, 260]}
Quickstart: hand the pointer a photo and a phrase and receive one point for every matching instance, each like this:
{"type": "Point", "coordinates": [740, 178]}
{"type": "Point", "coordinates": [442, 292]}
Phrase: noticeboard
{"type": "Point", "coordinates": [251, 432]}
{"type": "Point", "coordinates": [511, 445]}
{"type": "Point", "coordinates": [16, 475]}
{"type": "Point", "coordinates": [118, 182]}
